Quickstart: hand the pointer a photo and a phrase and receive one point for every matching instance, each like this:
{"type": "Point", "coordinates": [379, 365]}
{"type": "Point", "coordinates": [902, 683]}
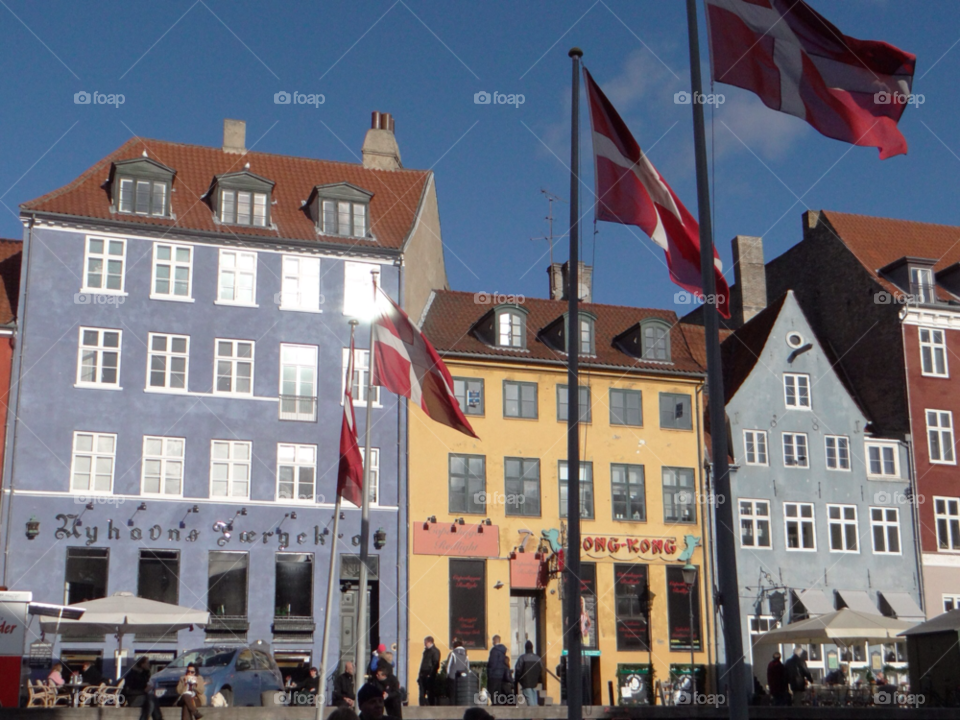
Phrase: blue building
{"type": "Point", "coordinates": [177, 388]}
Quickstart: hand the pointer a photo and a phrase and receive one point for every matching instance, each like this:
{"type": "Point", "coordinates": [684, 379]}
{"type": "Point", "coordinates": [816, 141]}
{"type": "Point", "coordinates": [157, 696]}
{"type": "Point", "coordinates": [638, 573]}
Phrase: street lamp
{"type": "Point", "coordinates": [690, 579]}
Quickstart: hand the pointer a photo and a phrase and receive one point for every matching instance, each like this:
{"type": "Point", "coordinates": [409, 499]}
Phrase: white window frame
{"type": "Point", "coordinates": [357, 218]}
{"type": "Point", "coordinates": [173, 264]}
{"type": "Point", "coordinates": [233, 359]}
{"type": "Point", "coordinates": [944, 432]}
{"type": "Point", "coordinates": [793, 446]}
{"type": "Point", "coordinates": [794, 380]}
{"type": "Point", "coordinates": [298, 366]}
{"type": "Point", "coordinates": [753, 519]}
{"type": "Point", "coordinates": [357, 282]}
{"type": "Point", "coordinates": [374, 474]}
{"type": "Point", "coordinates": [237, 255]}
{"type": "Point", "coordinates": [232, 462]}
{"type": "Point", "coordinates": [103, 257]}
{"type": "Point", "coordinates": [931, 347]}
{"type": "Point", "coordinates": [99, 349]}
{"type": "Point", "coordinates": [880, 447]}
{"type": "Point", "coordinates": [300, 283]}
{"type": "Point", "coordinates": [361, 366]}
{"type": "Point", "coordinates": [838, 441]}
{"type": "Point", "coordinates": [166, 458]}
{"type": "Point", "coordinates": [513, 330]}
{"type": "Point", "coordinates": [255, 199]}
{"type": "Point", "coordinates": [94, 454]}
{"type": "Point", "coordinates": [168, 355]}
{"type": "Point", "coordinates": [844, 522]}
{"type": "Point", "coordinates": [885, 525]}
{"type": "Point", "coordinates": [297, 463]}
{"type": "Point", "coordinates": [772, 624]}
{"type": "Point", "coordinates": [949, 518]}
{"type": "Point", "coordinates": [800, 520]}
{"type": "Point", "coordinates": [954, 598]}
{"type": "Point", "coordinates": [760, 447]}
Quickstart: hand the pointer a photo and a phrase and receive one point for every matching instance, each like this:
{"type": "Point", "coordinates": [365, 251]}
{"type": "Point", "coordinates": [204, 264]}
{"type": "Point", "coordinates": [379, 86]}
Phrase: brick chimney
{"type": "Point", "coordinates": [558, 281]}
{"type": "Point", "coordinates": [751, 277]}
{"type": "Point", "coordinates": [234, 137]}
{"type": "Point", "coordinates": [380, 149]}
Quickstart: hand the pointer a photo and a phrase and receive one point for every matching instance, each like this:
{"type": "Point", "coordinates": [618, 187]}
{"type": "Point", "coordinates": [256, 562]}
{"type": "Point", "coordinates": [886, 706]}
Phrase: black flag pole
{"type": "Point", "coordinates": [732, 685]}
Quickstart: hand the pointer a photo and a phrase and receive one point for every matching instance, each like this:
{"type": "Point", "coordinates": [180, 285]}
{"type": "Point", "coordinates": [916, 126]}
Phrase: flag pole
{"type": "Point", "coordinates": [573, 638]}
{"type": "Point", "coordinates": [736, 690]}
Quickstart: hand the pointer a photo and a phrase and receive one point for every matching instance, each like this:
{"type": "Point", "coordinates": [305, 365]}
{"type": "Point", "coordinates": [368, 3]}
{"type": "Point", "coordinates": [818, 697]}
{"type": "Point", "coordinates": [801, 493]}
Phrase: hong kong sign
{"type": "Point", "coordinates": [623, 547]}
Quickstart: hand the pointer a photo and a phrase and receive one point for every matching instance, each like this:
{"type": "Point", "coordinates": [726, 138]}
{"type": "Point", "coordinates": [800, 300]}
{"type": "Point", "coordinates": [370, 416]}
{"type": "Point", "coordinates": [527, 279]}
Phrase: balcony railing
{"type": "Point", "coordinates": [298, 407]}
{"type": "Point", "coordinates": [922, 293]}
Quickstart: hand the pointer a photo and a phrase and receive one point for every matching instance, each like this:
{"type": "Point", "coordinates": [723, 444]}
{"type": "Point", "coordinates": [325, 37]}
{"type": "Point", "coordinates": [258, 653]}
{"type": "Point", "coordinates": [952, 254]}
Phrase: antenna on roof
{"type": "Point", "coordinates": [549, 237]}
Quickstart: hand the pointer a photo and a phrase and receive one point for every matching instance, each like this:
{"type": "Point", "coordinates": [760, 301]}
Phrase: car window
{"type": "Point", "coordinates": [245, 660]}
{"type": "Point", "coordinates": [207, 657]}
{"type": "Point", "coordinates": [263, 662]}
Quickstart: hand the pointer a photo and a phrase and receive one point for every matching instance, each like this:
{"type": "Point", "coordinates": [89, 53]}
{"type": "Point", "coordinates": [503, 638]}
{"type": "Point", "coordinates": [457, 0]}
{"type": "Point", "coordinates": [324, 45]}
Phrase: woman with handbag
{"type": "Point", "coordinates": [191, 689]}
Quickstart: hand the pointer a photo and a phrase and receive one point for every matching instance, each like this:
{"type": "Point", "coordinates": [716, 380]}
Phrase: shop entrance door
{"type": "Point", "coordinates": [524, 624]}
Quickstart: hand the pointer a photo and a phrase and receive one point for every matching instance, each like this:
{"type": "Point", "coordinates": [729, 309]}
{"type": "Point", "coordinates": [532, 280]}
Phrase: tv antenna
{"type": "Point", "coordinates": [549, 237]}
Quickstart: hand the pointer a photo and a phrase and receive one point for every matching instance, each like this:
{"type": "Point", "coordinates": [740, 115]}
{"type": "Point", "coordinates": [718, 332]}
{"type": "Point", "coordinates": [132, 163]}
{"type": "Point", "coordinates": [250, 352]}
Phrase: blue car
{"type": "Point", "coordinates": [242, 674]}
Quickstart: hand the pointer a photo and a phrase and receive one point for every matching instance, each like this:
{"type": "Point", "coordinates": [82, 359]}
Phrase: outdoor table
{"type": "Point", "coordinates": [75, 684]}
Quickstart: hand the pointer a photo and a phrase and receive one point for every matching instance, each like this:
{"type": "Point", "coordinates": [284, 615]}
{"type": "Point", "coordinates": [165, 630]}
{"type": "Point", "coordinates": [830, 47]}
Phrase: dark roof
{"type": "Point", "coordinates": [10, 255]}
{"type": "Point", "coordinates": [948, 622]}
{"type": "Point", "coordinates": [451, 317]}
{"type": "Point", "coordinates": [393, 208]}
{"type": "Point", "coordinates": [741, 350]}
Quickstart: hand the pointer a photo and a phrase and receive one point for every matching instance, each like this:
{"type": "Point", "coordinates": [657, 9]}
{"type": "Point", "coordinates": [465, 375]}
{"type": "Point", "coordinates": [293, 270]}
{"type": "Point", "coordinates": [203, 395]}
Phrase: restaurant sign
{"type": "Point", "coordinates": [431, 538]}
{"type": "Point", "coordinates": [621, 547]}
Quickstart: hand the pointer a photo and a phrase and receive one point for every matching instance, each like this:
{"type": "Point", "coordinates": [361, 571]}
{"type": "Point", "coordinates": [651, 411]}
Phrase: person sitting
{"type": "Point", "coordinates": [135, 682]}
{"type": "Point", "coordinates": [305, 693]}
{"type": "Point", "coordinates": [191, 691]}
{"type": "Point", "coordinates": [56, 675]}
{"type": "Point", "coordinates": [90, 674]}
{"type": "Point", "coordinates": [835, 677]}
{"type": "Point", "coordinates": [343, 692]}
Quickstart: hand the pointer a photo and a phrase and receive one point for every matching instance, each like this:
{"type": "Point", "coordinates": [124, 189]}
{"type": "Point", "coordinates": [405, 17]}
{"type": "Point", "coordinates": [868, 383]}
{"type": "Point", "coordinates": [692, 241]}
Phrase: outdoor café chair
{"type": "Point", "coordinates": [38, 694]}
{"type": "Point", "coordinates": [110, 696]}
{"type": "Point", "coordinates": [57, 696]}
{"type": "Point", "coordinates": [90, 695]}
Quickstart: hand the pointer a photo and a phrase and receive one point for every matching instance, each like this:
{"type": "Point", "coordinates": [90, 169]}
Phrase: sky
{"type": "Point", "coordinates": [184, 66]}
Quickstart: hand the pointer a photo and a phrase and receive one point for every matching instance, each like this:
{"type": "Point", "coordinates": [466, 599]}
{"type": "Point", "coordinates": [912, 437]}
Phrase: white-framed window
{"type": "Point", "coordinates": [143, 197]}
{"type": "Point", "coordinates": [760, 624]}
{"type": "Point", "coordinates": [168, 361]}
{"type": "Point", "coordinates": [358, 299]}
{"type": "Point", "coordinates": [230, 468]}
{"type": "Point", "coordinates": [755, 446]}
{"type": "Point", "coordinates": [98, 358]}
{"type": "Point", "coordinates": [838, 452]}
{"type": "Point", "coordinates": [510, 329]}
{"type": "Point", "coordinates": [951, 602]}
{"type": "Point", "coordinates": [300, 284]}
{"type": "Point", "coordinates": [172, 272]}
{"type": "Point", "coordinates": [94, 456]}
{"type": "Point", "coordinates": [940, 436]}
{"type": "Point", "coordinates": [796, 391]}
{"type": "Point", "coordinates": [586, 336]}
{"type": "Point", "coordinates": [162, 468]}
{"type": "Point", "coordinates": [795, 450]}
{"type": "Point", "coordinates": [374, 473]}
{"type": "Point", "coordinates": [882, 459]}
{"type": "Point", "coordinates": [340, 217]}
{"type": "Point", "coordinates": [242, 207]}
{"type": "Point", "coordinates": [933, 353]}
{"type": "Point", "coordinates": [296, 472]}
{"type": "Point", "coordinates": [842, 527]}
{"type": "Point", "coordinates": [799, 523]}
{"type": "Point", "coordinates": [298, 382]}
{"type": "Point", "coordinates": [237, 278]}
{"type": "Point", "coordinates": [233, 367]}
{"type": "Point", "coordinates": [103, 263]}
{"type": "Point", "coordinates": [947, 513]}
{"type": "Point", "coordinates": [922, 285]}
{"type": "Point", "coordinates": [755, 523]}
{"type": "Point", "coordinates": [361, 366]}
{"type": "Point", "coordinates": [885, 528]}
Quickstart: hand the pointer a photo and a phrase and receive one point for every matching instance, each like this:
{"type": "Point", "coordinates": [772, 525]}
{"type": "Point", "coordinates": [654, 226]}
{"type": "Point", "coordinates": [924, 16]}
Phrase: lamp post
{"type": "Point", "coordinates": [690, 579]}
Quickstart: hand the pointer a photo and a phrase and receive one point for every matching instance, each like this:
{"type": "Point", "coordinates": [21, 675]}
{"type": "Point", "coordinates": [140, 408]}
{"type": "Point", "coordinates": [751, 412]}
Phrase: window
{"type": "Point", "coordinates": [227, 583]}
{"type": "Point", "coordinates": [162, 472]}
{"type": "Point", "coordinates": [947, 513]}
{"type": "Point", "coordinates": [679, 495]}
{"type": "Point", "coordinates": [842, 524]}
{"type": "Point", "coordinates": [760, 624]}
{"type": "Point", "coordinates": [563, 406]}
{"type": "Point", "coordinates": [885, 526]}
{"type": "Point", "coordinates": [104, 264]}
{"type": "Point", "coordinates": [93, 459]}
{"type": "Point", "coordinates": [586, 336]}
{"type": "Point", "coordinates": [158, 576]}
{"type": "Point", "coordinates": [358, 293]}
{"type": "Point", "coordinates": [796, 391]}
{"type": "Point", "coordinates": [882, 460]}
{"type": "Point", "coordinates": [86, 575]}
{"type": "Point", "coordinates": [361, 366]}
{"type": "Point", "coordinates": [298, 382]}
{"type": "Point", "coordinates": [296, 472]}
{"type": "Point", "coordinates": [940, 436]}
{"type": "Point", "coordinates": [242, 207]}
{"type": "Point", "coordinates": [143, 197]}
{"type": "Point", "coordinates": [521, 480]}
{"type": "Point", "coordinates": [626, 407]}
{"type": "Point", "coordinates": [469, 393]}
{"type": "Point", "coordinates": [799, 524]}
{"type": "Point", "coordinates": [921, 284]}
{"type": "Point", "coordinates": [467, 484]}
{"type": "Point", "coordinates": [755, 524]}
{"type": "Point", "coordinates": [519, 399]}
{"type": "Point", "coordinates": [586, 489]}
{"type": "Point", "coordinates": [234, 367]}
{"type": "Point", "coordinates": [628, 492]}
{"type": "Point", "coordinates": [933, 352]}
{"type": "Point", "coordinates": [951, 602]}
{"type": "Point", "coordinates": [168, 359]}
{"type": "Point", "coordinates": [374, 473]}
{"type": "Point", "coordinates": [294, 585]}
{"type": "Point", "coordinates": [344, 218]}
{"type": "Point", "coordinates": [632, 608]}
{"type": "Point", "coordinates": [838, 452]}
{"type": "Point", "coordinates": [238, 278]}
{"type": "Point", "coordinates": [795, 450]}
{"type": "Point", "coordinates": [510, 329]}
{"type": "Point", "coordinates": [675, 412]}
{"type": "Point", "coordinates": [172, 271]}
{"type": "Point", "coordinates": [755, 445]}
{"type": "Point", "coordinates": [656, 341]}
{"type": "Point", "coordinates": [230, 468]}
{"type": "Point", "coordinates": [98, 363]}
{"type": "Point", "coordinates": [300, 285]}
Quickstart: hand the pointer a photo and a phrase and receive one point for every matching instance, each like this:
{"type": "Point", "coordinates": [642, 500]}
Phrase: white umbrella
{"type": "Point", "coordinates": [844, 627]}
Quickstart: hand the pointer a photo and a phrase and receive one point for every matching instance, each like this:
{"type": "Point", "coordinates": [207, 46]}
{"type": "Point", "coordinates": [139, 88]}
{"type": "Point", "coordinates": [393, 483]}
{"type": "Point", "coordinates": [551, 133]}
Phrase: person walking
{"type": "Point", "coordinates": [498, 673]}
{"type": "Point", "coordinates": [191, 688]}
{"type": "Point", "coordinates": [529, 674]}
{"type": "Point", "coordinates": [343, 684]}
{"type": "Point", "coordinates": [458, 665]}
{"type": "Point", "coordinates": [777, 681]}
{"type": "Point", "coordinates": [797, 674]}
{"type": "Point", "coordinates": [429, 669]}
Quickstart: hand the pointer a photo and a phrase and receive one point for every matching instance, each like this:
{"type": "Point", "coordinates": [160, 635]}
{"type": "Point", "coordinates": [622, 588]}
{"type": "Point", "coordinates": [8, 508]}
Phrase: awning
{"type": "Point", "coordinates": [858, 600]}
{"type": "Point", "coordinates": [816, 602]}
{"type": "Point", "coordinates": [903, 606]}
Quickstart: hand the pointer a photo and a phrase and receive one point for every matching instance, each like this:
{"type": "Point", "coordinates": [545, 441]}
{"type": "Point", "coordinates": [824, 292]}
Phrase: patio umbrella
{"type": "Point", "coordinates": [843, 627]}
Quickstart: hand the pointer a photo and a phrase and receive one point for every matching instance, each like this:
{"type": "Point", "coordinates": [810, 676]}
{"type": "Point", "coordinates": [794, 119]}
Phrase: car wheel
{"type": "Point", "coordinates": [228, 696]}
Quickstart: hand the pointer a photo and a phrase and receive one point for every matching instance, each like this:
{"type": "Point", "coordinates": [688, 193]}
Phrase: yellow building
{"type": "Point", "coordinates": [487, 516]}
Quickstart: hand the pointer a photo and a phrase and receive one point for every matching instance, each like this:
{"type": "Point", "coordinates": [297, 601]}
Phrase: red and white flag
{"type": "Point", "coordinates": [630, 191]}
{"type": "Point", "coordinates": [407, 364]}
{"type": "Point", "coordinates": [350, 472]}
{"type": "Point", "coordinates": [798, 63]}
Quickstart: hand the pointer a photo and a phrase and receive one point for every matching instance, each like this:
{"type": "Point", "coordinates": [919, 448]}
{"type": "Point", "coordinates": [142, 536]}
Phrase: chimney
{"type": "Point", "coordinates": [558, 281]}
{"type": "Point", "coordinates": [380, 149]}
{"type": "Point", "coordinates": [751, 276]}
{"type": "Point", "coordinates": [234, 137]}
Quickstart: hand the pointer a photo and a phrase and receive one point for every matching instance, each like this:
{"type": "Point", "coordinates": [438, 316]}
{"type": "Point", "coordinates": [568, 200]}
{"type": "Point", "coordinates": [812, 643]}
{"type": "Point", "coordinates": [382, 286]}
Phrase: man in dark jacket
{"type": "Point", "coordinates": [390, 686]}
{"type": "Point", "coordinates": [529, 674]}
{"type": "Point", "coordinates": [498, 673]}
{"type": "Point", "coordinates": [797, 673]}
{"type": "Point", "coordinates": [777, 681]}
{"type": "Point", "coordinates": [429, 669]}
{"type": "Point", "coordinates": [343, 693]}
{"type": "Point", "coordinates": [370, 702]}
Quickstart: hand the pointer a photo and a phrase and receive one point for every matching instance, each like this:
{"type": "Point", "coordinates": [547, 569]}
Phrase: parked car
{"type": "Point", "coordinates": [240, 673]}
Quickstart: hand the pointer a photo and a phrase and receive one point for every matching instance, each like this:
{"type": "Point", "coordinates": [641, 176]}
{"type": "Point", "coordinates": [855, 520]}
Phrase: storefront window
{"type": "Point", "coordinates": [159, 576]}
{"type": "Point", "coordinates": [633, 625]}
{"type": "Point", "coordinates": [86, 576]}
{"type": "Point", "coordinates": [294, 586]}
{"type": "Point", "coordinates": [227, 583]}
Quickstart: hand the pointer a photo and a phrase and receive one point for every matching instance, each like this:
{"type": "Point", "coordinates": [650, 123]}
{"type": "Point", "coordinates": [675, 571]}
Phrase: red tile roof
{"type": "Point", "coordinates": [393, 208]}
{"type": "Point", "coordinates": [452, 315]}
{"type": "Point", "coordinates": [10, 255]}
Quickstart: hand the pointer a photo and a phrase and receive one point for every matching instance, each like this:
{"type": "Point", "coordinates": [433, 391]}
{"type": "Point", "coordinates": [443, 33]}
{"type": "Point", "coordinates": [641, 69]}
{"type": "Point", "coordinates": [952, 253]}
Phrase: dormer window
{"type": "Point", "coordinates": [141, 187]}
{"type": "Point", "coordinates": [655, 337]}
{"type": "Point", "coordinates": [510, 329]}
{"type": "Point", "coordinates": [341, 209]}
{"type": "Point", "coordinates": [921, 284]}
{"type": "Point", "coordinates": [242, 198]}
{"type": "Point", "coordinates": [587, 346]}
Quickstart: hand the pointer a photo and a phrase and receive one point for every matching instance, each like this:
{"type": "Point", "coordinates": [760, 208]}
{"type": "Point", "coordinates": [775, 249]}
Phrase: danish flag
{"type": "Point", "coordinates": [798, 63]}
{"type": "Point", "coordinates": [350, 472]}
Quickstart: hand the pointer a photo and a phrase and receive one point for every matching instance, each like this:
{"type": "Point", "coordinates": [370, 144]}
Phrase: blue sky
{"type": "Point", "coordinates": [184, 66]}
